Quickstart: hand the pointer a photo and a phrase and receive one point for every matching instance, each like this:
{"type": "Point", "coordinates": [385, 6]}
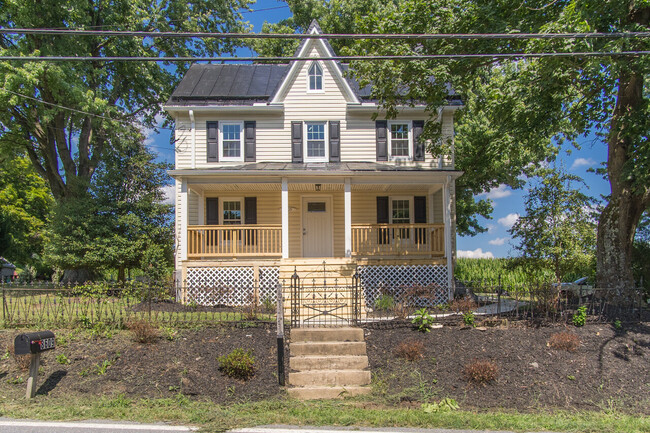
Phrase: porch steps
{"type": "Point", "coordinates": [328, 363]}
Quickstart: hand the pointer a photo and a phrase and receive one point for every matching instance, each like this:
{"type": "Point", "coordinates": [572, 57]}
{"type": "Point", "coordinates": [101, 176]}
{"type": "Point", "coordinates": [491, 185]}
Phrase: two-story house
{"type": "Point", "coordinates": [280, 168]}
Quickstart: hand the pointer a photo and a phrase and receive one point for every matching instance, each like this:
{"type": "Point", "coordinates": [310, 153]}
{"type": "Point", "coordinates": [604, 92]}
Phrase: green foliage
{"type": "Point", "coordinates": [62, 359]}
{"type": "Point", "coordinates": [423, 320]}
{"type": "Point", "coordinates": [239, 364]}
{"type": "Point", "coordinates": [468, 319]}
{"type": "Point", "coordinates": [580, 316]}
{"type": "Point", "coordinates": [385, 303]}
{"type": "Point", "coordinates": [444, 405]}
{"type": "Point", "coordinates": [618, 325]}
{"type": "Point", "coordinates": [495, 271]}
{"type": "Point", "coordinates": [557, 233]}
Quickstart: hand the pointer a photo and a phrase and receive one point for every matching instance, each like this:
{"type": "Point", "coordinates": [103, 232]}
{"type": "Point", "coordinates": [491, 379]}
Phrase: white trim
{"type": "Point", "coordinates": [322, 77]}
{"type": "Point", "coordinates": [239, 158]}
{"type": "Point", "coordinates": [193, 143]}
{"type": "Point", "coordinates": [330, 199]}
{"type": "Point", "coordinates": [230, 108]}
{"type": "Point", "coordinates": [446, 199]}
{"type": "Point", "coordinates": [409, 144]}
{"type": "Point", "coordinates": [306, 157]}
{"type": "Point", "coordinates": [285, 218]}
{"type": "Point", "coordinates": [230, 199]}
{"type": "Point", "coordinates": [347, 209]}
{"type": "Point", "coordinates": [185, 210]}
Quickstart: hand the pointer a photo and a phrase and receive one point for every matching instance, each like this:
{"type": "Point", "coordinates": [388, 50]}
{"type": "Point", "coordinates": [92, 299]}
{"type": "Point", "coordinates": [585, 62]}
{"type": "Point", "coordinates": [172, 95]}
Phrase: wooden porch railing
{"type": "Point", "coordinates": [234, 241]}
{"type": "Point", "coordinates": [426, 240]}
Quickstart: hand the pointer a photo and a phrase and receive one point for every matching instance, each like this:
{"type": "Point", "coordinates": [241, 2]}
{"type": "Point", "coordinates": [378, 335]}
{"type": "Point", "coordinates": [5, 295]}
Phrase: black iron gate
{"type": "Point", "coordinates": [324, 305]}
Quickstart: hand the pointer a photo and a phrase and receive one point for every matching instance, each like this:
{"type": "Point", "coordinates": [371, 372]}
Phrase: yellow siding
{"type": "Point", "coordinates": [268, 205]}
{"type": "Point", "coordinates": [364, 205]}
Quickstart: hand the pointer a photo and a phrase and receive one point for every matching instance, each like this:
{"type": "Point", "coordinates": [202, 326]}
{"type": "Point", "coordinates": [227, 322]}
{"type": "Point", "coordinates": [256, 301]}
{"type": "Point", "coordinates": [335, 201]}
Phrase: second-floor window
{"type": "Point", "coordinates": [399, 140]}
{"type": "Point", "coordinates": [231, 141]}
{"type": "Point", "coordinates": [315, 149]}
{"type": "Point", "coordinates": [315, 77]}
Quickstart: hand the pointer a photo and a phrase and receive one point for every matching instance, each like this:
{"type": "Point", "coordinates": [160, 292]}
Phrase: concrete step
{"type": "Point", "coordinates": [326, 334]}
{"type": "Point", "coordinates": [328, 348]}
{"type": "Point", "coordinates": [327, 392]}
{"type": "Point", "coordinates": [329, 378]}
{"type": "Point", "coordinates": [348, 362]}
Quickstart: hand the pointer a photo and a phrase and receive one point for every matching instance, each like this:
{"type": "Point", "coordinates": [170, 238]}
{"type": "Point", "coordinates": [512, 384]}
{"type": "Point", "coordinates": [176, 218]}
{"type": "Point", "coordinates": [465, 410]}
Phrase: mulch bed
{"type": "Point", "coordinates": [609, 369]}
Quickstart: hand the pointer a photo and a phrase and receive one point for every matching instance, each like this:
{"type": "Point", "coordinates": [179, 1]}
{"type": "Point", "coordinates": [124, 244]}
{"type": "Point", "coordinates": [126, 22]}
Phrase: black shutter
{"type": "Point", "coordinates": [250, 217]}
{"type": "Point", "coordinates": [296, 141]}
{"type": "Point", "coordinates": [382, 218]}
{"type": "Point", "coordinates": [212, 132]}
{"type": "Point", "coordinates": [249, 141]}
{"type": "Point", "coordinates": [418, 146]}
{"type": "Point", "coordinates": [212, 211]}
{"type": "Point", "coordinates": [335, 141]}
{"type": "Point", "coordinates": [382, 140]}
{"type": "Point", "coordinates": [420, 216]}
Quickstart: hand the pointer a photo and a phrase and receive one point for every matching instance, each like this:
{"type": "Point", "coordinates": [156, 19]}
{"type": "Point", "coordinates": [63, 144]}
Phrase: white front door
{"type": "Point", "coordinates": [317, 227]}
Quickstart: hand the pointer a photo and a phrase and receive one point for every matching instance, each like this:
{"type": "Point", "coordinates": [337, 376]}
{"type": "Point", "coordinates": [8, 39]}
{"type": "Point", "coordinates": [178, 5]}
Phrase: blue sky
{"type": "Point", "coordinates": [508, 204]}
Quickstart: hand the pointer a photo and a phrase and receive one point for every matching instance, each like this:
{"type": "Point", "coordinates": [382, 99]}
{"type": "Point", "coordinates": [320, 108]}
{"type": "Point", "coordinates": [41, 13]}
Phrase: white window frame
{"type": "Point", "coordinates": [231, 199]}
{"type": "Point", "coordinates": [409, 144]}
{"type": "Point", "coordinates": [308, 158]}
{"type": "Point", "coordinates": [411, 208]}
{"type": "Point", "coordinates": [239, 158]}
{"type": "Point", "coordinates": [322, 77]}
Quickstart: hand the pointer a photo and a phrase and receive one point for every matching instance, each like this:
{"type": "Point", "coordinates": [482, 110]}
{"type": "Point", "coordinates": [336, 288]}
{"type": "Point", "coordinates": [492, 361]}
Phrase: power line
{"type": "Point", "coordinates": [263, 9]}
{"type": "Point", "coordinates": [339, 58]}
{"type": "Point", "coordinates": [400, 36]}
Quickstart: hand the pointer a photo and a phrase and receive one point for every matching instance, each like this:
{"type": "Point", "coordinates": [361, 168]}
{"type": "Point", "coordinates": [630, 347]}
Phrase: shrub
{"type": "Point", "coordinates": [580, 316]}
{"type": "Point", "coordinates": [423, 320]}
{"type": "Point", "coordinates": [480, 372]}
{"type": "Point", "coordinates": [143, 331]}
{"type": "Point", "coordinates": [468, 319]}
{"type": "Point", "coordinates": [462, 305]}
{"type": "Point", "coordinates": [384, 303]}
{"type": "Point", "coordinates": [564, 341]}
{"type": "Point", "coordinates": [22, 361]}
{"type": "Point", "coordinates": [410, 350]}
{"type": "Point", "coordinates": [239, 364]}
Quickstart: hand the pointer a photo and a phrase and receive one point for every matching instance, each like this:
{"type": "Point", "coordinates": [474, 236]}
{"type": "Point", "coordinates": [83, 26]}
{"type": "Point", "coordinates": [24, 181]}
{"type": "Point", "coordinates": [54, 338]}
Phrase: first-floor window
{"type": "Point", "coordinates": [316, 141]}
{"type": "Point", "coordinates": [232, 212]}
{"type": "Point", "coordinates": [231, 141]}
{"type": "Point", "coordinates": [401, 214]}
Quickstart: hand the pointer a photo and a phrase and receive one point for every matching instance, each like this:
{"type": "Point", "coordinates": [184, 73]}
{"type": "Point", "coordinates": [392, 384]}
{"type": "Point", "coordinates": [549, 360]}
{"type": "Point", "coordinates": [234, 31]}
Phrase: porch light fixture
{"type": "Point", "coordinates": [317, 186]}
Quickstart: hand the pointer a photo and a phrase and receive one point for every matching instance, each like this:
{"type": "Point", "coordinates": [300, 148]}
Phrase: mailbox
{"type": "Point", "coordinates": [34, 342]}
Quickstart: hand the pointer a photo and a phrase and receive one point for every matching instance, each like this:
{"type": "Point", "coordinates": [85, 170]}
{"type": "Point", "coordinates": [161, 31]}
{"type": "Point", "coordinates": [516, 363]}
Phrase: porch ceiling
{"type": "Point", "coordinates": [311, 187]}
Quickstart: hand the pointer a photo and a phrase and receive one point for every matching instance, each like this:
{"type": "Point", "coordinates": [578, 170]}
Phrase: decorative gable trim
{"type": "Point", "coordinates": [296, 65]}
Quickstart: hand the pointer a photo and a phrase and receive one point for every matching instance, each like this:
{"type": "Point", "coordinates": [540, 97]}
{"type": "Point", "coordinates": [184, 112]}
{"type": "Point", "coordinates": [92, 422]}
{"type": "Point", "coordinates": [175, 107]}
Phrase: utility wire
{"type": "Point", "coordinates": [399, 36]}
{"type": "Point", "coordinates": [306, 59]}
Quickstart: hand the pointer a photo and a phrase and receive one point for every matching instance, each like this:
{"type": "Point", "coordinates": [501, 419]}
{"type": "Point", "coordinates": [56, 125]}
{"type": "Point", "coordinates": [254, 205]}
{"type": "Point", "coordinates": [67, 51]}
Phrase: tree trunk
{"type": "Point", "coordinates": [617, 224]}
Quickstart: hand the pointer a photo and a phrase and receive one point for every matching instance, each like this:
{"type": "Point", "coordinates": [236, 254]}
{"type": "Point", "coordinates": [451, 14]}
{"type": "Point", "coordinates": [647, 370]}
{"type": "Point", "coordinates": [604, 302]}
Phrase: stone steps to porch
{"type": "Point", "coordinates": [328, 363]}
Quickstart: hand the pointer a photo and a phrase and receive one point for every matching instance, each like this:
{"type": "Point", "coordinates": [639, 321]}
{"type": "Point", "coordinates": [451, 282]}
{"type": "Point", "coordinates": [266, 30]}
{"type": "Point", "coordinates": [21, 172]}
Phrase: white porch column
{"type": "Point", "coordinates": [446, 197]}
{"type": "Point", "coordinates": [193, 143]}
{"type": "Point", "coordinates": [285, 218]}
{"type": "Point", "coordinates": [347, 202]}
{"type": "Point", "coordinates": [185, 210]}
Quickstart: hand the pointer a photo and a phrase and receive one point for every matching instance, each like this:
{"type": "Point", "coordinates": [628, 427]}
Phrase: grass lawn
{"type": "Point", "coordinates": [362, 412]}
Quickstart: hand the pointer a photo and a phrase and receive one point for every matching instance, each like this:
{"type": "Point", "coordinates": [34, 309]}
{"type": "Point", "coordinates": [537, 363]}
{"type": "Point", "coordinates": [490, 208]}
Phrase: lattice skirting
{"type": "Point", "coordinates": [417, 285]}
{"type": "Point", "coordinates": [230, 286]}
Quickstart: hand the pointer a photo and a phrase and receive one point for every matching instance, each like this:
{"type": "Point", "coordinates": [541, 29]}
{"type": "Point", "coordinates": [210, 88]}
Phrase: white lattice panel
{"type": "Point", "coordinates": [269, 279]}
{"type": "Point", "coordinates": [227, 286]}
{"type": "Point", "coordinates": [417, 285]}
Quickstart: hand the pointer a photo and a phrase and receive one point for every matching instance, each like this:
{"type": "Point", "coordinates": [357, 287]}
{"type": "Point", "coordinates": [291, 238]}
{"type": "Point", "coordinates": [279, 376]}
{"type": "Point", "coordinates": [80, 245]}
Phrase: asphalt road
{"type": "Point", "coordinates": [27, 426]}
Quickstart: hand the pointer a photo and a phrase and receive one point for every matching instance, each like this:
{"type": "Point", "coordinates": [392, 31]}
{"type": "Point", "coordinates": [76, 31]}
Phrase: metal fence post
{"type": "Point", "coordinates": [4, 305]}
{"type": "Point", "coordinates": [280, 330]}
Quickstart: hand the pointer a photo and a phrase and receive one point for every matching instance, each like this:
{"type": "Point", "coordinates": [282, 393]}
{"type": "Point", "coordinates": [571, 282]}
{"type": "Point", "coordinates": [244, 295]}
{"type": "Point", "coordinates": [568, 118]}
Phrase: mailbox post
{"type": "Point", "coordinates": [34, 343]}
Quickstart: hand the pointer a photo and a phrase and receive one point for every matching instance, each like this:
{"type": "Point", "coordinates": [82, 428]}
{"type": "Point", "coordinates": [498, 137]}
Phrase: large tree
{"type": "Point", "coordinates": [65, 146]}
{"type": "Point", "coordinates": [519, 113]}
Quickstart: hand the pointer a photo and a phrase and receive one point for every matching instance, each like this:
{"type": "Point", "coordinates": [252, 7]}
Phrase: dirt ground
{"type": "Point", "coordinates": [610, 368]}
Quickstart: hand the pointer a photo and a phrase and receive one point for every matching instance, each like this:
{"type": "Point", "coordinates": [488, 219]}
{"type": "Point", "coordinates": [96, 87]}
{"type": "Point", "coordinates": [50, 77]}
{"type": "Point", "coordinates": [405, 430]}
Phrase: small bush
{"type": "Point", "coordinates": [22, 361]}
{"type": "Point", "coordinates": [468, 319]}
{"type": "Point", "coordinates": [239, 364]}
{"type": "Point", "coordinates": [462, 305]}
{"type": "Point", "coordinates": [384, 303]}
{"type": "Point", "coordinates": [480, 372]}
{"type": "Point", "coordinates": [580, 316]}
{"type": "Point", "coordinates": [423, 320]}
{"type": "Point", "coordinates": [410, 350]}
{"type": "Point", "coordinates": [143, 331]}
{"type": "Point", "coordinates": [564, 341]}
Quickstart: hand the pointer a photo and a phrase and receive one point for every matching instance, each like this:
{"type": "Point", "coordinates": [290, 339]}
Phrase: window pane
{"type": "Point", "coordinates": [232, 212]}
{"type": "Point", "coordinates": [315, 77]}
{"type": "Point", "coordinates": [401, 212]}
{"type": "Point", "coordinates": [316, 207]}
{"type": "Point", "coordinates": [399, 139]}
{"type": "Point", "coordinates": [231, 141]}
{"type": "Point", "coordinates": [315, 139]}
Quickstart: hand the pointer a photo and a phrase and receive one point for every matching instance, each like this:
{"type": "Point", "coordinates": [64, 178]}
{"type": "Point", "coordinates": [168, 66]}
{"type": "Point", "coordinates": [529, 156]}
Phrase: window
{"type": "Point", "coordinates": [232, 212]}
{"type": "Point", "coordinates": [315, 77]}
{"type": "Point", "coordinates": [316, 151]}
{"type": "Point", "coordinates": [231, 141]}
{"type": "Point", "coordinates": [399, 140]}
{"type": "Point", "coordinates": [316, 207]}
{"type": "Point", "coordinates": [400, 213]}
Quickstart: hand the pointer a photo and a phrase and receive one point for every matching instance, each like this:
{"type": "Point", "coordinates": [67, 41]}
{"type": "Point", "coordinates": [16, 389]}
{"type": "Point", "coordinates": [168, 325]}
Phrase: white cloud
{"type": "Point", "coordinates": [508, 220]}
{"type": "Point", "coordinates": [582, 162]}
{"type": "Point", "coordinates": [499, 192]}
{"type": "Point", "coordinates": [491, 228]}
{"type": "Point", "coordinates": [151, 133]}
{"type": "Point", "coordinates": [170, 194]}
{"type": "Point", "coordinates": [476, 254]}
{"type": "Point", "coordinates": [498, 241]}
